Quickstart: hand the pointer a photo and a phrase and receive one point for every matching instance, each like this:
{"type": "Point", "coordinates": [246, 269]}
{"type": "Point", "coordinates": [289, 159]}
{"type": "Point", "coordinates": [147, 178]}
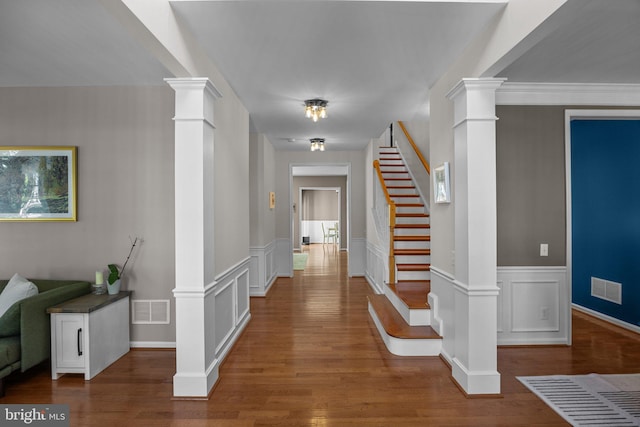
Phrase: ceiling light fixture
{"type": "Point", "coordinates": [315, 109]}
{"type": "Point", "coordinates": [317, 144]}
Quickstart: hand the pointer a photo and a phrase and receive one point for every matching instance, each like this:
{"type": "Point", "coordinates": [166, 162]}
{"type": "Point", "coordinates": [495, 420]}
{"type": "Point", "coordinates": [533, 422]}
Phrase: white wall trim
{"type": "Point", "coordinates": [349, 242]}
{"type": "Point", "coordinates": [375, 270]}
{"type": "Point", "coordinates": [568, 94]}
{"type": "Point", "coordinates": [533, 306]}
{"type": "Point", "coordinates": [568, 116]}
{"type": "Point", "coordinates": [153, 344]}
{"type": "Point", "coordinates": [609, 319]}
{"type": "Point", "coordinates": [262, 269]}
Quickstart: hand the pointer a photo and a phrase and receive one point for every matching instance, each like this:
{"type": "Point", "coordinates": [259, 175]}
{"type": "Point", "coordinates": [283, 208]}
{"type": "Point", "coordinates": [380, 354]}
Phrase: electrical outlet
{"type": "Point", "coordinates": [544, 249]}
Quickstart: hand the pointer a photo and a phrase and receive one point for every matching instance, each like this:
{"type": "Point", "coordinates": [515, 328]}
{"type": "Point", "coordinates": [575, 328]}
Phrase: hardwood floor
{"type": "Point", "coordinates": [311, 356]}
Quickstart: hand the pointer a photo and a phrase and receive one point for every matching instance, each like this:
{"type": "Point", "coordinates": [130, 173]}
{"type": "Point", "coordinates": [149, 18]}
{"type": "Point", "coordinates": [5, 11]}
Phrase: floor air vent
{"type": "Point", "coordinates": [606, 290]}
{"type": "Point", "coordinates": [150, 312]}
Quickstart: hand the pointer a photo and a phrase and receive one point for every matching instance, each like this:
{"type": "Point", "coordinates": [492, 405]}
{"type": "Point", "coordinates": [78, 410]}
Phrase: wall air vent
{"type": "Point", "coordinates": [150, 312]}
{"type": "Point", "coordinates": [606, 290]}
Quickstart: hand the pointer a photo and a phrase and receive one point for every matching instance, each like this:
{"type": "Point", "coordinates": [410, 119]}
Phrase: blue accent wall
{"type": "Point", "coordinates": [605, 190]}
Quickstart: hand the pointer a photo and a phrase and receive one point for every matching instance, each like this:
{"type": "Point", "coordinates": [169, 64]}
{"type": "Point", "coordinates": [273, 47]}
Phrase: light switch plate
{"type": "Point", "coordinates": [544, 249]}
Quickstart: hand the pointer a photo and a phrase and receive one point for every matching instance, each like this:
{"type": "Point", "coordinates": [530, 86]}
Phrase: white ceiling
{"type": "Point", "coordinates": [372, 60]}
{"type": "Point", "coordinates": [69, 43]}
{"type": "Point", "coordinates": [598, 43]}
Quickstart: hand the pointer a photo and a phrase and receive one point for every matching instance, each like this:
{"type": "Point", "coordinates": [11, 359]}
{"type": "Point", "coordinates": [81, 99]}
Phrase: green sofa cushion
{"type": "Point", "coordinates": [10, 322]}
{"type": "Point", "coordinates": [9, 351]}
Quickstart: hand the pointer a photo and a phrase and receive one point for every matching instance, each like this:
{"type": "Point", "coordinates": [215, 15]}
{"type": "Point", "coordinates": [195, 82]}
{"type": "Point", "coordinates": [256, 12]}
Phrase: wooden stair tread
{"type": "Point", "coordinates": [394, 324]}
{"type": "Point", "coordinates": [413, 267]}
{"type": "Point", "coordinates": [412, 215]}
{"type": "Point", "coordinates": [412, 292]}
{"type": "Point", "coordinates": [409, 205]}
{"type": "Point", "coordinates": [403, 195]}
{"type": "Point", "coordinates": [397, 179]}
{"type": "Point", "coordinates": [412, 238]}
{"type": "Point", "coordinates": [421, 252]}
{"type": "Point", "coordinates": [401, 187]}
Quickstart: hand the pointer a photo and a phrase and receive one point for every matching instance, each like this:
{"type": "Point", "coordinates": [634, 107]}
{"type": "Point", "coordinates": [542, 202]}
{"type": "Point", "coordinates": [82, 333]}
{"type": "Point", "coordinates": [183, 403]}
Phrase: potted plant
{"type": "Point", "coordinates": [115, 275]}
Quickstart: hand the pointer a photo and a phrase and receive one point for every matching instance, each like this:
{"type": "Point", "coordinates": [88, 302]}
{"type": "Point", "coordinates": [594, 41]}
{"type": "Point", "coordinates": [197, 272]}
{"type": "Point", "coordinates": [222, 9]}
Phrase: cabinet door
{"type": "Point", "coordinates": [70, 340]}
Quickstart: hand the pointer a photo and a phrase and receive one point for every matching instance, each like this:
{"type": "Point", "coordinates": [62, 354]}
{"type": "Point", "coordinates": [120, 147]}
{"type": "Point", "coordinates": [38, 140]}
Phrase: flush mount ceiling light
{"type": "Point", "coordinates": [317, 144]}
{"type": "Point", "coordinates": [315, 109]}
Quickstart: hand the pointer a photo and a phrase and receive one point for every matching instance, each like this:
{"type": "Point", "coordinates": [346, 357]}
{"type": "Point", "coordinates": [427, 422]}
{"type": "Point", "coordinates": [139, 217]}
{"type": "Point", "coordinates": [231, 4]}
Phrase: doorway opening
{"type": "Point", "coordinates": [320, 211]}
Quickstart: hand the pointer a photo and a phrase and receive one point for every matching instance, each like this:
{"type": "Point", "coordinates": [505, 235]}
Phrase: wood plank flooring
{"type": "Point", "coordinates": [311, 356]}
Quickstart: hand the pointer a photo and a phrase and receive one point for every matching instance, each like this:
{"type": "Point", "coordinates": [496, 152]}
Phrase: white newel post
{"type": "Point", "coordinates": [194, 231]}
{"type": "Point", "coordinates": [474, 364]}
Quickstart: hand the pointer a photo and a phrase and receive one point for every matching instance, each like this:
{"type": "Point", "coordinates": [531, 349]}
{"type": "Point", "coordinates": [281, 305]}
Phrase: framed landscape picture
{"type": "Point", "coordinates": [38, 183]}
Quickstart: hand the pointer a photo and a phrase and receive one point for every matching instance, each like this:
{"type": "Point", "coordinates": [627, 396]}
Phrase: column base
{"type": "Point", "coordinates": [475, 382]}
{"type": "Point", "coordinates": [196, 386]}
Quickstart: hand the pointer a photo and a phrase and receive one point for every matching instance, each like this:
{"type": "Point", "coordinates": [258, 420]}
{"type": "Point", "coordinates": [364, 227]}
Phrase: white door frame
{"type": "Point", "coordinates": [323, 169]}
{"type": "Point", "coordinates": [581, 115]}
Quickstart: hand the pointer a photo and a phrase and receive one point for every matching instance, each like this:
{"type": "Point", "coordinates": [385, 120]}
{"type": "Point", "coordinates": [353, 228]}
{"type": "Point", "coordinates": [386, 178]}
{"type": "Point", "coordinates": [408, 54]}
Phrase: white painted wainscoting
{"type": "Point", "coordinates": [228, 307]}
{"type": "Point", "coordinates": [224, 307]}
{"type": "Point", "coordinates": [527, 294]}
{"type": "Point", "coordinates": [533, 306]}
{"type": "Point", "coordinates": [262, 269]}
{"type": "Point", "coordinates": [442, 303]}
{"type": "Point", "coordinates": [376, 272]}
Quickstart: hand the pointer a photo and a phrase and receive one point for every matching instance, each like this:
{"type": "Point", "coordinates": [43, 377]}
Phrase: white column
{"type": "Point", "coordinates": [196, 367]}
{"type": "Point", "coordinates": [474, 364]}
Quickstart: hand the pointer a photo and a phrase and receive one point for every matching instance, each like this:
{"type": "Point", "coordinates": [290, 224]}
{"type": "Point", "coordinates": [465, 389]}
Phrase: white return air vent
{"type": "Point", "coordinates": [606, 290]}
{"type": "Point", "coordinates": [150, 312]}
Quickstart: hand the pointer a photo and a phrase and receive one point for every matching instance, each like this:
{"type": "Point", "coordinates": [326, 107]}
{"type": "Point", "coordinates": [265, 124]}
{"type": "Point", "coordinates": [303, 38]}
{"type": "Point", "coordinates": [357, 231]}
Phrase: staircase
{"type": "Point", "coordinates": [402, 314]}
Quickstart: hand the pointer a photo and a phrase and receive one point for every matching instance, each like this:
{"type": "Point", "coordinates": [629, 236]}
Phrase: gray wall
{"type": "Point", "coordinates": [262, 182]}
{"type": "Point", "coordinates": [283, 202]}
{"type": "Point", "coordinates": [125, 139]}
{"type": "Point", "coordinates": [530, 185]}
{"type": "Point", "coordinates": [419, 131]}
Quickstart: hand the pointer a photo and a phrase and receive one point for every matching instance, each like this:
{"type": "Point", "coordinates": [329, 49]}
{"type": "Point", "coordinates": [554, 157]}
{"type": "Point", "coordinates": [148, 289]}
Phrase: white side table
{"type": "Point", "coordinates": [89, 333]}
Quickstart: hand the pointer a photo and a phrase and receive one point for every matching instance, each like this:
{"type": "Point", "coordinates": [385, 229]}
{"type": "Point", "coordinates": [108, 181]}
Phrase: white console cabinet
{"type": "Point", "coordinates": [89, 333]}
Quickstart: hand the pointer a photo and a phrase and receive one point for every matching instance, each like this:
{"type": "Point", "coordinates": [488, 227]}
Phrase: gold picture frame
{"type": "Point", "coordinates": [272, 200]}
{"type": "Point", "coordinates": [38, 183]}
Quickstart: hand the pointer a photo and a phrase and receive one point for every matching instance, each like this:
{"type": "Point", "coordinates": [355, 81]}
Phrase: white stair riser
{"type": "Point", "coordinates": [385, 163]}
{"type": "Point", "coordinates": [412, 231]}
{"type": "Point", "coordinates": [401, 200]}
{"type": "Point", "coordinates": [411, 209]}
{"type": "Point", "coordinates": [394, 174]}
{"type": "Point", "coordinates": [413, 259]}
{"type": "Point", "coordinates": [413, 275]}
{"type": "Point", "coordinates": [413, 316]}
{"type": "Point", "coordinates": [393, 191]}
{"type": "Point", "coordinates": [412, 245]}
{"type": "Point", "coordinates": [412, 220]}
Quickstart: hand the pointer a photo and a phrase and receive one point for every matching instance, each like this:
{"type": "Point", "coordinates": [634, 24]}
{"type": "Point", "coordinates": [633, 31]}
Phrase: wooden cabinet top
{"type": "Point", "coordinates": [88, 303]}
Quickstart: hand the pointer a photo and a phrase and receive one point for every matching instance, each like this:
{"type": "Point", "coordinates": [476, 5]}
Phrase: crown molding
{"type": "Point", "coordinates": [568, 94]}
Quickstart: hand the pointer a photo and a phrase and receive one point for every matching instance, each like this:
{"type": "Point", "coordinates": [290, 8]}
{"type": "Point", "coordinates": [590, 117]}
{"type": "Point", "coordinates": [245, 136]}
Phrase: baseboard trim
{"type": "Point", "coordinates": [612, 320]}
{"type": "Point", "coordinates": [153, 344]}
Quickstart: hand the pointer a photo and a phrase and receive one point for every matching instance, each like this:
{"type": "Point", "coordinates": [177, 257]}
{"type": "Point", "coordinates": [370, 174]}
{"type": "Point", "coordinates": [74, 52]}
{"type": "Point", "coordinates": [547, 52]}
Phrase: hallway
{"type": "Point", "coordinates": [311, 356]}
